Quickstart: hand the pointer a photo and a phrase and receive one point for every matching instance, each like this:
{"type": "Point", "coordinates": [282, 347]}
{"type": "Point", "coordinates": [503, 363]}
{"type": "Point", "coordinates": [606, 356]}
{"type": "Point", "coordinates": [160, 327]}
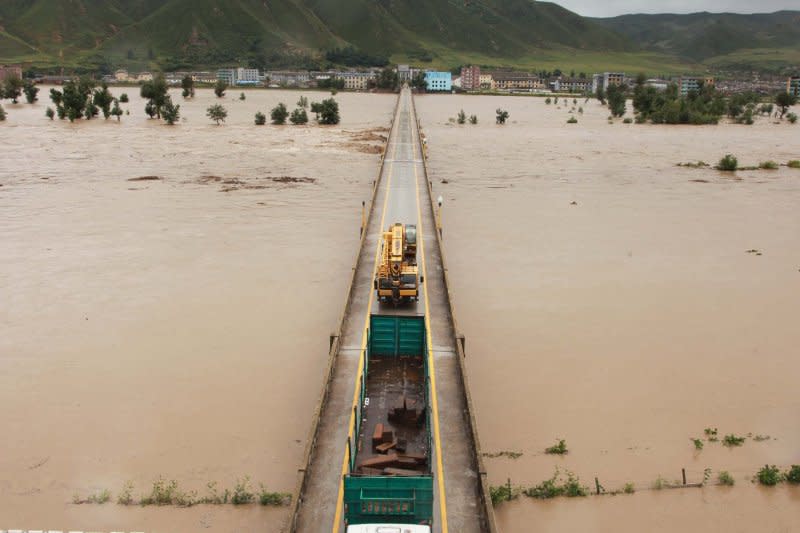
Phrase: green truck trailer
{"type": "Point", "coordinates": [389, 481]}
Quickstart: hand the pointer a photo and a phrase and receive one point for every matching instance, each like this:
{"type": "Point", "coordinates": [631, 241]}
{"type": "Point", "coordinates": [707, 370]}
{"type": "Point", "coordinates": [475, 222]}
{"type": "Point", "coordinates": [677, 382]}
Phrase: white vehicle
{"type": "Point", "coordinates": [388, 528]}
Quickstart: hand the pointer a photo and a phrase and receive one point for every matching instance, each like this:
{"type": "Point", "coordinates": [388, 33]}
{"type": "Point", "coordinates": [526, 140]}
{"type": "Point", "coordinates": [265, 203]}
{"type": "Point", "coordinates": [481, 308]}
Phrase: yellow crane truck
{"type": "Point", "coordinates": [396, 279]}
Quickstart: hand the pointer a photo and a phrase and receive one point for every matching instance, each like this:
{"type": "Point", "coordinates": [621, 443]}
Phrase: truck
{"type": "Point", "coordinates": [388, 485]}
{"type": "Point", "coordinates": [396, 279]}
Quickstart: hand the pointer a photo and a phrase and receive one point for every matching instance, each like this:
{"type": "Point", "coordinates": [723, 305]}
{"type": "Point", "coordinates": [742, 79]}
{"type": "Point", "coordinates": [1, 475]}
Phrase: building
{"type": "Point", "coordinates": [228, 75]}
{"type": "Point", "coordinates": [471, 78]}
{"type": "Point", "coordinates": [687, 84]}
{"type": "Point", "coordinates": [10, 71]}
{"type": "Point", "coordinates": [121, 75]}
{"type": "Point", "coordinates": [607, 79]}
{"type": "Point", "coordinates": [486, 81]}
{"type": "Point", "coordinates": [404, 73]}
{"type": "Point", "coordinates": [145, 76]}
{"type": "Point", "coordinates": [657, 83]}
{"type": "Point", "coordinates": [290, 78]}
{"type": "Point", "coordinates": [204, 77]}
{"type": "Point", "coordinates": [516, 82]}
{"type": "Point", "coordinates": [247, 76]}
{"type": "Point", "coordinates": [357, 81]}
{"type": "Point", "coordinates": [439, 81]}
{"type": "Point", "coordinates": [572, 85]}
{"type": "Point", "coordinates": [793, 86]}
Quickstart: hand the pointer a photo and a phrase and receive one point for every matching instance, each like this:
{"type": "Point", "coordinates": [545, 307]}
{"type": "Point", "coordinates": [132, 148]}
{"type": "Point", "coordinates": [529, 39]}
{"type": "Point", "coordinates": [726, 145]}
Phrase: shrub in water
{"type": "Point", "coordinates": [728, 163]}
{"type": "Point", "coordinates": [725, 478]}
{"type": "Point", "coordinates": [793, 475]}
{"type": "Point", "coordinates": [769, 475]}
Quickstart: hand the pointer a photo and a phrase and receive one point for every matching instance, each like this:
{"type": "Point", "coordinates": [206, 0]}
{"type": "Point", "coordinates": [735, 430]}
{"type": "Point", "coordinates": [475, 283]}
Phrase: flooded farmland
{"type": "Point", "coordinates": [624, 304]}
{"type": "Point", "coordinates": [167, 294]}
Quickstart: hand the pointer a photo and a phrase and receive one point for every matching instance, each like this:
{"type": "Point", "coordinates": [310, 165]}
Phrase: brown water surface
{"type": "Point", "coordinates": [172, 326]}
{"type": "Point", "coordinates": [608, 298]}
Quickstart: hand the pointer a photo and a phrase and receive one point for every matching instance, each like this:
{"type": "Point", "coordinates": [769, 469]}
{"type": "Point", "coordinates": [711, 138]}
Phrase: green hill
{"type": "Point", "coordinates": [170, 34]}
{"type": "Point", "coordinates": [716, 39]}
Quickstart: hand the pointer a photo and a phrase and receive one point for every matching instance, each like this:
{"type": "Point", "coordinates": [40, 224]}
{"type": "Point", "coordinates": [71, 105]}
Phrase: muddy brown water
{"type": "Point", "coordinates": [176, 325]}
{"type": "Point", "coordinates": [630, 320]}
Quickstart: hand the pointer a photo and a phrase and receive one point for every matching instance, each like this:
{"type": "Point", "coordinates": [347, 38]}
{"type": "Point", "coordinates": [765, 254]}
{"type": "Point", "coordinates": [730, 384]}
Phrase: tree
{"type": "Point", "coordinates": [419, 82]}
{"type": "Point", "coordinates": [13, 88]}
{"type": "Point", "coordinates": [188, 86]}
{"type": "Point", "coordinates": [150, 109]}
{"type": "Point", "coordinates": [279, 114]}
{"type": "Point", "coordinates": [123, 98]}
{"type": "Point", "coordinates": [327, 111]}
{"type": "Point", "coordinates": [170, 112]}
{"type": "Point", "coordinates": [302, 102]}
{"type": "Point", "coordinates": [116, 110]}
{"type": "Point", "coordinates": [91, 109]}
{"type": "Point", "coordinates": [299, 116]}
{"type": "Point", "coordinates": [242, 96]}
{"type": "Point", "coordinates": [30, 91]}
{"type": "Point", "coordinates": [219, 88]}
{"type": "Point", "coordinates": [388, 79]}
{"type": "Point", "coordinates": [616, 100]}
{"type": "Point", "coordinates": [600, 95]}
{"type": "Point", "coordinates": [473, 119]}
{"type": "Point", "coordinates": [72, 102]}
{"type": "Point", "coordinates": [217, 113]}
{"type": "Point", "coordinates": [156, 93]}
{"type": "Point", "coordinates": [49, 113]}
{"type": "Point", "coordinates": [2, 114]}
{"type": "Point", "coordinates": [103, 99]}
{"type": "Point", "coordinates": [784, 101]}
{"type": "Point", "coordinates": [502, 116]}
{"type": "Point", "coordinates": [261, 118]}
{"type": "Point", "coordinates": [462, 117]}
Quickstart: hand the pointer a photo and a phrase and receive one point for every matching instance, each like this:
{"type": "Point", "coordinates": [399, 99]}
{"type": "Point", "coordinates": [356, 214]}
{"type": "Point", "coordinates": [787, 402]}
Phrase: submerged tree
{"type": "Point", "coordinates": [13, 88]}
{"type": "Point", "coordinates": [30, 91]}
{"type": "Point", "coordinates": [2, 113]}
{"type": "Point", "coordinates": [219, 88]}
{"type": "Point", "coordinates": [72, 102]}
{"type": "Point", "coordinates": [155, 91]}
{"type": "Point", "coordinates": [217, 113]}
{"type": "Point", "coordinates": [116, 110]}
{"type": "Point", "coordinates": [171, 112]}
{"type": "Point", "coordinates": [103, 99]}
{"type": "Point", "coordinates": [327, 112]}
{"type": "Point", "coordinates": [616, 100]}
{"type": "Point", "coordinates": [299, 116]}
{"type": "Point", "coordinates": [502, 116]}
{"type": "Point", "coordinates": [188, 86]}
{"type": "Point", "coordinates": [784, 101]}
{"type": "Point", "coordinates": [279, 114]}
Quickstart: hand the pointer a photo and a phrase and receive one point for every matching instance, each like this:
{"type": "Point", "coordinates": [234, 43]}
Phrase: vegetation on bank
{"type": "Point", "coordinates": [165, 492]}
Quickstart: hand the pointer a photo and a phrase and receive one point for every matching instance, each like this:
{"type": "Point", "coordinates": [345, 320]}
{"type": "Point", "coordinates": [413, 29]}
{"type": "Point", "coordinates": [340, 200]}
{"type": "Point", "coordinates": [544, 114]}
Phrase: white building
{"type": "Point", "coordinates": [247, 76]}
{"type": "Point", "coordinates": [357, 81]}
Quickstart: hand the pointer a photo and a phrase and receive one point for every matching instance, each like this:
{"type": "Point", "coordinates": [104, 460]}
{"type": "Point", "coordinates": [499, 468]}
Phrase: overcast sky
{"type": "Point", "coordinates": [610, 8]}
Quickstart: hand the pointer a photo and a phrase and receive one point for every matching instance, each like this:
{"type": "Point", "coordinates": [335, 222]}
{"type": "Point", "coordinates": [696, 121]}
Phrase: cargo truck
{"type": "Point", "coordinates": [388, 486]}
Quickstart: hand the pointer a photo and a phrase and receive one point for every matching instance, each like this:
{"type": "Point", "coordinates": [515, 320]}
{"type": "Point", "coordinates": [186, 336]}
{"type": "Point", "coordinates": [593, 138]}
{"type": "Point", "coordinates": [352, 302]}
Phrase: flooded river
{"type": "Point", "coordinates": [623, 304]}
{"type": "Point", "coordinates": [167, 294]}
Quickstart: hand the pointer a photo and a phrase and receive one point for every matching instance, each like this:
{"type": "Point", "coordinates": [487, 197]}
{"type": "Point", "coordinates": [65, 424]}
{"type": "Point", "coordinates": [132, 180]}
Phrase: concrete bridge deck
{"type": "Point", "coordinates": [402, 194]}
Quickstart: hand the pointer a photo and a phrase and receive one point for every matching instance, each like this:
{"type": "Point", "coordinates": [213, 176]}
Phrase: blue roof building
{"type": "Point", "coordinates": [439, 81]}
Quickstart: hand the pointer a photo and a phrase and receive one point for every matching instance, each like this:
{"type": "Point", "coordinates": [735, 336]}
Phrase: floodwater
{"type": "Point", "coordinates": [608, 299]}
{"type": "Point", "coordinates": [173, 327]}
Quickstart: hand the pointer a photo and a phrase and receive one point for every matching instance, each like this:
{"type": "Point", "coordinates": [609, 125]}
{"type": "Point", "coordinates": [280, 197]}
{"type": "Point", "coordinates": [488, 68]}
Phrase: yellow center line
{"type": "Point", "coordinates": [431, 369]}
{"type": "Point", "coordinates": [337, 519]}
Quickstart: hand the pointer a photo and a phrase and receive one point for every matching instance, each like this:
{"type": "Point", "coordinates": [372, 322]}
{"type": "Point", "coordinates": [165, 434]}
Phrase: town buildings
{"type": "Point", "coordinates": [607, 79]}
{"type": "Point", "coordinates": [357, 81]}
{"type": "Point", "coordinates": [471, 78]}
{"type": "Point", "coordinates": [439, 81]}
{"type": "Point", "coordinates": [687, 84]}
{"type": "Point", "coordinates": [572, 85]}
{"type": "Point", "coordinates": [404, 73]}
{"type": "Point", "coordinates": [10, 71]}
{"type": "Point", "coordinates": [793, 86]}
{"type": "Point", "coordinates": [516, 82]}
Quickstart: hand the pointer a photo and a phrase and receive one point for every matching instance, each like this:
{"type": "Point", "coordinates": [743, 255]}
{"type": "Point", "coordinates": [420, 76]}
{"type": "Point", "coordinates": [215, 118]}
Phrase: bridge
{"type": "Point", "coordinates": [402, 193]}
